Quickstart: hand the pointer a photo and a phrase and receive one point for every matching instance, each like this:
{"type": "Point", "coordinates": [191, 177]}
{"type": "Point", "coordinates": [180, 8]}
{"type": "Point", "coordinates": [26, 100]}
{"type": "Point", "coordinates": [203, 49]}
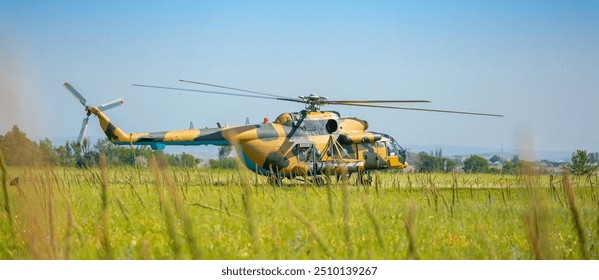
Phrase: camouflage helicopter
{"type": "Point", "coordinates": [308, 145]}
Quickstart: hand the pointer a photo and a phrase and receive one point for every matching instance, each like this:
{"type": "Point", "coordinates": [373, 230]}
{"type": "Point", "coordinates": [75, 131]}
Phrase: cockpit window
{"type": "Point", "coordinates": [393, 148]}
{"type": "Point", "coordinates": [390, 149]}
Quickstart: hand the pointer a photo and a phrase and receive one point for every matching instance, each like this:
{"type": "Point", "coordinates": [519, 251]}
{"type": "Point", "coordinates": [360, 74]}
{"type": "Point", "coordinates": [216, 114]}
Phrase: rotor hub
{"type": "Point", "coordinates": [313, 101]}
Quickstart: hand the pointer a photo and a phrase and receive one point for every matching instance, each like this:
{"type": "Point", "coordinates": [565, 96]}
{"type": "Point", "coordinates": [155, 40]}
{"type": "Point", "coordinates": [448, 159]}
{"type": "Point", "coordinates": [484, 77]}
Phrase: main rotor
{"type": "Point", "coordinates": [313, 102]}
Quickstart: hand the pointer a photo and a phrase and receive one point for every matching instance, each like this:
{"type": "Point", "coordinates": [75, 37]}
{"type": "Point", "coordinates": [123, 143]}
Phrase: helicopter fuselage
{"type": "Point", "coordinates": [296, 144]}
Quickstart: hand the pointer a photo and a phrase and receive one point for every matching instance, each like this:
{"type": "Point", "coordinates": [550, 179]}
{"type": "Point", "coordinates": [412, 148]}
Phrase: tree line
{"type": "Point", "coordinates": [18, 150]}
{"type": "Point", "coordinates": [581, 163]}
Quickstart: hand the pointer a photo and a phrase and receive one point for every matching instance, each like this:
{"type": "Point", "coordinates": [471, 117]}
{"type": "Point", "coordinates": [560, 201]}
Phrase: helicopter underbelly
{"type": "Point", "coordinates": [266, 157]}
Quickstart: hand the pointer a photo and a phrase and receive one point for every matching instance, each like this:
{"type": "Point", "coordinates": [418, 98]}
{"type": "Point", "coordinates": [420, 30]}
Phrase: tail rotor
{"type": "Point", "coordinates": [83, 101]}
{"type": "Point", "coordinates": [83, 130]}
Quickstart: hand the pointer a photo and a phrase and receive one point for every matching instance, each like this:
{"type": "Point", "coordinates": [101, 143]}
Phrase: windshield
{"type": "Point", "coordinates": [393, 148]}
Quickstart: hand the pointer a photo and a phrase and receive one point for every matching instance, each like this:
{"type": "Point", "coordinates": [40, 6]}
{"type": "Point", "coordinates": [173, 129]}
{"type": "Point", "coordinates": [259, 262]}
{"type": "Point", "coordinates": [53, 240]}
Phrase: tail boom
{"type": "Point", "coordinates": [159, 140]}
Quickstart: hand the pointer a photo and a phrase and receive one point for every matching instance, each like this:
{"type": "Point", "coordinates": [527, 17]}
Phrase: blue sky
{"type": "Point", "coordinates": [534, 61]}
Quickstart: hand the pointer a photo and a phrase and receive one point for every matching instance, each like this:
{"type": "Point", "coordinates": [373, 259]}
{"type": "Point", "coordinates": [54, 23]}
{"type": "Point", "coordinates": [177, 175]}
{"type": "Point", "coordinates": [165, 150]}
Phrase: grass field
{"type": "Point", "coordinates": [164, 213]}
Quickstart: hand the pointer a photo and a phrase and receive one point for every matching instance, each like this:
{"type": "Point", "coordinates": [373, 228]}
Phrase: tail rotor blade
{"type": "Point", "coordinates": [83, 130]}
{"type": "Point", "coordinates": [75, 93]}
{"type": "Point", "coordinates": [111, 104]}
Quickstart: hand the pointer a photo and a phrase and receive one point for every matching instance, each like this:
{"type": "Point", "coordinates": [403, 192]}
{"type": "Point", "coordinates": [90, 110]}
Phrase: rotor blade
{"type": "Point", "coordinates": [420, 109]}
{"type": "Point", "coordinates": [83, 130]}
{"type": "Point", "coordinates": [75, 93]}
{"type": "Point", "coordinates": [374, 101]}
{"type": "Point", "coordinates": [238, 89]}
{"type": "Point", "coordinates": [111, 104]}
{"type": "Point", "coordinates": [221, 93]}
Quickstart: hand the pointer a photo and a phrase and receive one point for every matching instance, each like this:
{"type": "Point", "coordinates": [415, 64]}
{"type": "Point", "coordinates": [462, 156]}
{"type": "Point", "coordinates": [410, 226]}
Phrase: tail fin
{"type": "Point", "coordinates": [114, 133]}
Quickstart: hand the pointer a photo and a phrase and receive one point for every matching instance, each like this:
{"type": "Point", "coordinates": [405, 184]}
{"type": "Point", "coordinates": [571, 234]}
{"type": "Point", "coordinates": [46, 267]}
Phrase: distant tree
{"type": "Point", "coordinates": [64, 156]}
{"type": "Point", "coordinates": [434, 162]}
{"type": "Point", "coordinates": [510, 168]}
{"type": "Point", "coordinates": [115, 155]}
{"type": "Point", "coordinates": [18, 150]}
{"type": "Point", "coordinates": [88, 157]}
{"type": "Point", "coordinates": [515, 159]}
{"type": "Point", "coordinates": [224, 152]}
{"type": "Point", "coordinates": [428, 163]}
{"type": "Point", "coordinates": [476, 164]}
{"type": "Point", "coordinates": [224, 160]}
{"type": "Point", "coordinates": [47, 152]}
{"type": "Point", "coordinates": [494, 159]}
{"type": "Point", "coordinates": [582, 163]}
{"type": "Point", "coordinates": [226, 163]}
{"type": "Point", "coordinates": [438, 153]}
{"type": "Point", "coordinates": [448, 165]}
{"type": "Point", "coordinates": [183, 160]}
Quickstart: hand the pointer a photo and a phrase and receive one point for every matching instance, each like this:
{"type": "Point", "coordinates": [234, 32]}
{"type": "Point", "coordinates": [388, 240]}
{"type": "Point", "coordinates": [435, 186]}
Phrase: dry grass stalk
{"type": "Point", "coordinates": [536, 218]}
{"type": "Point", "coordinates": [70, 228]}
{"type": "Point", "coordinates": [455, 196]}
{"type": "Point", "coordinates": [168, 214]}
{"type": "Point", "coordinates": [5, 192]}
{"type": "Point", "coordinates": [248, 204]}
{"type": "Point", "coordinates": [106, 247]}
{"type": "Point", "coordinates": [31, 226]}
{"type": "Point", "coordinates": [347, 221]}
{"type": "Point", "coordinates": [409, 223]}
{"type": "Point", "coordinates": [313, 231]}
{"type": "Point", "coordinates": [146, 253]}
{"type": "Point", "coordinates": [276, 243]}
{"type": "Point", "coordinates": [554, 190]}
{"type": "Point", "coordinates": [533, 234]}
{"type": "Point", "coordinates": [373, 220]}
{"type": "Point", "coordinates": [438, 193]}
{"type": "Point", "coordinates": [188, 227]}
{"type": "Point", "coordinates": [598, 219]}
{"type": "Point", "coordinates": [575, 215]}
{"type": "Point", "coordinates": [50, 211]}
{"type": "Point", "coordinates": [488, 243]}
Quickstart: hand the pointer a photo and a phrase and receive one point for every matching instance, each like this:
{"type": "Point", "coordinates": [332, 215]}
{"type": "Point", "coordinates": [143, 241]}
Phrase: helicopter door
{"type": "Point", "coordinates": [305, 152]}
{"type": "Point", "coordinates": [374, 156]}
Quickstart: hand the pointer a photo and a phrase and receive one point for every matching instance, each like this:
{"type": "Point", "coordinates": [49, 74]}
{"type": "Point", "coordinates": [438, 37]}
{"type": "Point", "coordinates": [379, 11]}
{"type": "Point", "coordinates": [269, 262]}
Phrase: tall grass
{"type": "Point", "coordinates": [170, 213]}
{"type": "Point", "coordinates": [4, 182]}
{"type": "Point", "coordinates": [104, 215]}
{"type": "Point", "coordinates": [578, 225]}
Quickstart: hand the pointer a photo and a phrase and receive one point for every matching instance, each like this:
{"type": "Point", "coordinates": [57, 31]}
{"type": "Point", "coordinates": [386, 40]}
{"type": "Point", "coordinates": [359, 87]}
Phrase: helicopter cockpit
{"type": "Point", "coordinates": [393, 147]}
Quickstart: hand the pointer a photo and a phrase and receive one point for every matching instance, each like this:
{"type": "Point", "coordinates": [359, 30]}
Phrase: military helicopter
{"type": "Point", "coordinates": [307, 145]}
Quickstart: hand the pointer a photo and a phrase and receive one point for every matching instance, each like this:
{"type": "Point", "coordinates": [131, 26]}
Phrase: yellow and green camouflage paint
{"type": "Point", "coordinates": [295, 144]}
